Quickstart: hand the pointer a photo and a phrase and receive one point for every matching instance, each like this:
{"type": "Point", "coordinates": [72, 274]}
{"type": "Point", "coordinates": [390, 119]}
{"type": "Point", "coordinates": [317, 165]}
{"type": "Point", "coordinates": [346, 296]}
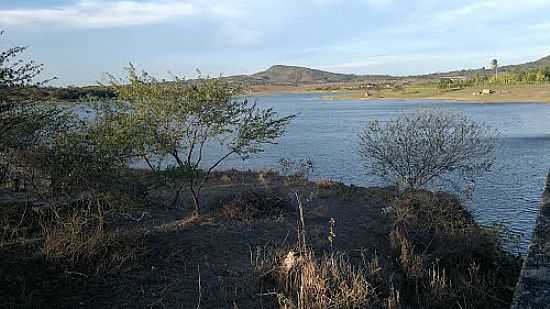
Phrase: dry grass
{"type": "Point", "coordinates": [51, 255]}
{"type": "Point", "coordinates": [81, 244]}
{"type": "Point", "coordinates": [250, 206]}
{"type": "Point", "coordinates": [440, 259]}
{"type": "Point", "coordinates": [303, 281]}
{"type": "Point", "coordinates": [446, 259]}
{"type": "Point", "coordinates": [326, 184]}
{"type": "Point", "coordinates": [443, 259]}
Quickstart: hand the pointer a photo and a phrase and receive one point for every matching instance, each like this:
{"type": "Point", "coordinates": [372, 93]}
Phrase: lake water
{"type": "Point", "coordinates": [326, 131]}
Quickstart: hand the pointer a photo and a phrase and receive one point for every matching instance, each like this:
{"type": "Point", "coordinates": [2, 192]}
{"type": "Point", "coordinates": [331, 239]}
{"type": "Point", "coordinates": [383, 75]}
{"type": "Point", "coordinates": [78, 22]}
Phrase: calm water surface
{"type": "Point", "coordinates": [326, 131]}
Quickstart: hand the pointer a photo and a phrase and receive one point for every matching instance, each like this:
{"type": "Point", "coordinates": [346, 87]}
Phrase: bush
{"type": "Point", "coordinates": [417, 148]}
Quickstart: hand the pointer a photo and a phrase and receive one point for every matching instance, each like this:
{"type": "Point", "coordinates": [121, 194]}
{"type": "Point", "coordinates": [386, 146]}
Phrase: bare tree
{"type": "Point", "coordinates": [417, 148]}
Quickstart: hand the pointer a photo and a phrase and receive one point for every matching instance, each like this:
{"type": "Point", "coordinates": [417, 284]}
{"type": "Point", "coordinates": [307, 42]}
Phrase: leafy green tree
{"type": "Point", "coordinates": [180, 121]}
{"type": "Point", "coordinates": [531, 75]}
{"type": "Point", "coordinates": [540, 77]}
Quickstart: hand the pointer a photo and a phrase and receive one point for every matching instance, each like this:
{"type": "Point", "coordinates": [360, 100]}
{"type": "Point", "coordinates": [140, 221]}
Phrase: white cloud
{"type": "Point", "coordinates": [227, 20]}
{"type": "Point", "coordinates": [488, 9]}
{"type": "Point", "coordinates": [107, 14]}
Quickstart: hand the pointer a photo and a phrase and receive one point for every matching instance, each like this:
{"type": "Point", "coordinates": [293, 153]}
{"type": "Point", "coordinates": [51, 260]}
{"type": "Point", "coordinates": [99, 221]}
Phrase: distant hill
{"type": "Point", "coordinates": [539, 64]}
{"type": "Point", "coordinates": [283, 75]}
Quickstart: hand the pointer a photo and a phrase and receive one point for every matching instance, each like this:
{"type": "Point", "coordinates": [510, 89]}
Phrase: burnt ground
{"type": "Point", "coordinates": [207, 262]}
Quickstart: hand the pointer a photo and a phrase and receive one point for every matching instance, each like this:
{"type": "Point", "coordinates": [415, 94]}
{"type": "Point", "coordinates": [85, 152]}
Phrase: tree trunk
{"type": "Point", "coordinates": [177, 197]}
{"type": "Point", "coordinates": [196, 202]}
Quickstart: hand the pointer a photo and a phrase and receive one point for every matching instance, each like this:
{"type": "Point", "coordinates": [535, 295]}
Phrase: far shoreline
{"type": "Point", "coordinates": [459, 97]}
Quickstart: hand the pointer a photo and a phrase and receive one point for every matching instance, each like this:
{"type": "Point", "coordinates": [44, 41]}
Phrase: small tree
{"type": "Point", "coordinates": [181, 120]}
{"type": "Point", "coordinates": [15, 76]}
{"type": "Point", "coordinates": [417, 148]}
{"type": "Point", "coordinates": [24, 124]}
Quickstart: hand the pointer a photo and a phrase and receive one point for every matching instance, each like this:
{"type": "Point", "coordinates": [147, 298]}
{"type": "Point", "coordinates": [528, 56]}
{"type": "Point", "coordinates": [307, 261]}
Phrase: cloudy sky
{"type": "Point", "coordinates": [79, 40]}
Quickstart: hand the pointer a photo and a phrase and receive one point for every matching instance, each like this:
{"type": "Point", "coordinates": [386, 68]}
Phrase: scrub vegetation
{"type": "Point", "coordinates": [128, 208]}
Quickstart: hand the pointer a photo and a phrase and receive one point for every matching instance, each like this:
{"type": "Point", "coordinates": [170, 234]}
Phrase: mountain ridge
{"type": "Point", "coordinates": [289, 75]}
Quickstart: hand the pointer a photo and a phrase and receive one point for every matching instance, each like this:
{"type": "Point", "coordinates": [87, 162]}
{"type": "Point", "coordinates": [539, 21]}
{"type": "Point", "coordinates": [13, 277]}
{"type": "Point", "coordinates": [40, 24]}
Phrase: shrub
{"type": "Point", "coordinates": [25, 122]}
{"type": "Point", "coordinates": [417, 148]}
{"type": "Point", "coordinates": [180, 120]}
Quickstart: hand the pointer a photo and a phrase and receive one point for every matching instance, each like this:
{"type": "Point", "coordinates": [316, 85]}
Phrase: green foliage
{"type": "Point", "coordinates": [156, 121]}
{"type": "Point", "coordinates": [47, 146]}
{"type": "Point", "coordinates": [511, 78]}
{"type": "Point", "coordinates": [25, 124]}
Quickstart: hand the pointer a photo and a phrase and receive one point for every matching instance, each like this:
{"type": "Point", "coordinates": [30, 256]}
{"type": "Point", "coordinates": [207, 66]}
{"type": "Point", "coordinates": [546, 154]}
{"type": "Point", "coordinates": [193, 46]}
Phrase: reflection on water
{"type": "Point", "coordinates": [326, 131]}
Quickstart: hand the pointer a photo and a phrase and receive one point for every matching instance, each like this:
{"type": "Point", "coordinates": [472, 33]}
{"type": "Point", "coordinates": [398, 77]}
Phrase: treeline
{"type": "Point", "coordinates": [70, 93]}
{"type": "Point", "coordinates": [505, 78]}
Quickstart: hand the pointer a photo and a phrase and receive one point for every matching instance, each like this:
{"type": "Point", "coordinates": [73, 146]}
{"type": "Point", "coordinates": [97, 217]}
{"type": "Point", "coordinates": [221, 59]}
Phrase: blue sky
{"type": "Point", "coordinates": [79, 40]}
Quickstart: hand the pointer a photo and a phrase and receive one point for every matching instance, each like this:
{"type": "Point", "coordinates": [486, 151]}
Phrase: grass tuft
{"type": "Point", "coordinates": [302, 280]}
